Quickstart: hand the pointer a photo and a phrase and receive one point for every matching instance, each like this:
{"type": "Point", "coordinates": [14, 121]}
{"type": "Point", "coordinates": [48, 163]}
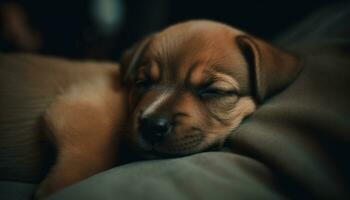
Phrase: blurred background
{"type": "Point", "coordinates": [102, 29]}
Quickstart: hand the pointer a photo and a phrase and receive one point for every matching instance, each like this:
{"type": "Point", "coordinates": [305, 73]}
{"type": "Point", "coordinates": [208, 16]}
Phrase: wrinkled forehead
{"type": "Point", "coordinates": [196, 50]}
{"type": "Point", "coordinates": [182, 46]}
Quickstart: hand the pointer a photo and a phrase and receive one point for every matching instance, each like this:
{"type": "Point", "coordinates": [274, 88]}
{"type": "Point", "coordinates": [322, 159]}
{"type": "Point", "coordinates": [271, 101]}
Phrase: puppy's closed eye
{"type": "Point", "coordinates": [219, 86]}
{"type": "Point", "coordinates": [144, 78]}
{"type": "Point", "coordinates": [143, 82]}
{"type": "Point", "coordinates": [212, 92]}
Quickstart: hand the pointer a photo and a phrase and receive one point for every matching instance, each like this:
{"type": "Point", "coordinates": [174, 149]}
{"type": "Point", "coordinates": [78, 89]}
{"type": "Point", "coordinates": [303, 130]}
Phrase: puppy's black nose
{"type": "Point", "coordinates": [154, 129]}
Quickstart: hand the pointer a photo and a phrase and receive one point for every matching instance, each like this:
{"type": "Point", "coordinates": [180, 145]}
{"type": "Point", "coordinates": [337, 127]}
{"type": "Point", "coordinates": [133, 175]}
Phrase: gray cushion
{"type": "Point", "coordinates": [202, 176]}
{"type": "Point", "coordinates": [16, 190]}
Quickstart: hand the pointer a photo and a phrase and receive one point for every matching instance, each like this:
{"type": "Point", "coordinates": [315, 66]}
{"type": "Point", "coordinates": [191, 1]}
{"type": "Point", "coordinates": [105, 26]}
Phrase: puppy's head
{"type": "Point", "coordinates": [194, 82]}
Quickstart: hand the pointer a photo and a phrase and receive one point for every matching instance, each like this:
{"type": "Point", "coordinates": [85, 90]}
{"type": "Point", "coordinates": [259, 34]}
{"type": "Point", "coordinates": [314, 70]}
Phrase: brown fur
{"type": "Point", "coordinates": [82, 106]}
{"type": "Point", "coordinates": [205, 76]}
{"type": "Point", "coordinates": [186, 58]}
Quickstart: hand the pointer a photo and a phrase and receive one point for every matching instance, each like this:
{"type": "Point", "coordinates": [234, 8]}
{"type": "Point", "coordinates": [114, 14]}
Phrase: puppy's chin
{"type": "Point", "coordinates": [171, 149]}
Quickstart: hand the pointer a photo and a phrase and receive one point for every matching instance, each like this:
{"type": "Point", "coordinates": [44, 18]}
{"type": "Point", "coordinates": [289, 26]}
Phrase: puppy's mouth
{"type": "Point", "coordinates": [173, 148]}
{"type": "Point", "coordinates": [154, 154]}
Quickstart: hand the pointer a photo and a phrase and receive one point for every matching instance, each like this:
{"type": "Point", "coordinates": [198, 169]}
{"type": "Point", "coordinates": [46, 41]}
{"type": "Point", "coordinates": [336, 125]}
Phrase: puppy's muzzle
{"type": "Point", "coordinates": [154, 129]}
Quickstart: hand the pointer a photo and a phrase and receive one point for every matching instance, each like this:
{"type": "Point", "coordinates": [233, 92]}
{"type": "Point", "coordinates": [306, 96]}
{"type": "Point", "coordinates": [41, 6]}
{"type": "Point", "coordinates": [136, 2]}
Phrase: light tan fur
{"type": "Point", "coordinates": [80, 107]}
{"type": "Point", "coordinates": [84, 123]}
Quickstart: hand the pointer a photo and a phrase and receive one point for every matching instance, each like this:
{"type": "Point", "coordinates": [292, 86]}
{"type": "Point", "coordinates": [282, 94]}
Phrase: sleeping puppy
{"type": "Point", "coordinates": [193, 83]}
{"type": "Point", "coordinates": [182, 90]}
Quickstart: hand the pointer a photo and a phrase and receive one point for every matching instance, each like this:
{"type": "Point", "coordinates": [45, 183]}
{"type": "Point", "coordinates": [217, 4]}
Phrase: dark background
{"type": "Point", "coordinates": [67, 28]}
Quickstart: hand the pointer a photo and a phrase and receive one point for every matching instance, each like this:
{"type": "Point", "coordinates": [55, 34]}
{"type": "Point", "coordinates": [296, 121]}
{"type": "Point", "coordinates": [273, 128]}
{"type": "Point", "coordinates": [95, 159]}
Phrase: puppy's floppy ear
{"type": "Point", "coordinates": [271, 69]}
{"type": "Point", "coordinates": [131, 57]}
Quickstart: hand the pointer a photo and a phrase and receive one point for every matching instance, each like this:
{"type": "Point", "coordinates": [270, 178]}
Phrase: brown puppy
{"type": "Point", "coordinates": [193, 84]}
{"type": "Point", "coordinates": [189, 87]}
